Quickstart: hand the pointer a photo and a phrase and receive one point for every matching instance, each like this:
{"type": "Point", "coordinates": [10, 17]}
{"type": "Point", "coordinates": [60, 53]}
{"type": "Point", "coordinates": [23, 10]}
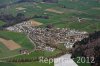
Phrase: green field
{"type": "Point", "coordinates": [20, 38]}
{"type": "Point", "coordinates": [26, 64]}
{"type": "Point", "coordinates": [5, 52]}
{"type": "Point", "coordinates": [88, 9]}
{"type": "Point", "coordinates": [82, 9]}
{"type": "Point", "coordinates": [39, 54]}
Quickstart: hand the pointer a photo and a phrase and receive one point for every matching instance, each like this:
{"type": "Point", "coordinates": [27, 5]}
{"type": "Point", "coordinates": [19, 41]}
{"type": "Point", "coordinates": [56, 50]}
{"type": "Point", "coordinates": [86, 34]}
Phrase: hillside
{"type": "Point", "coordinates": [89, 47]}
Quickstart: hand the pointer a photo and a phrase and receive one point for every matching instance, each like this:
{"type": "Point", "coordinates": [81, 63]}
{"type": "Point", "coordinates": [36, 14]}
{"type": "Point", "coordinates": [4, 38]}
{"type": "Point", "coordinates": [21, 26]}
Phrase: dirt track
{"type": "Point", "coordinates": [10, 44]}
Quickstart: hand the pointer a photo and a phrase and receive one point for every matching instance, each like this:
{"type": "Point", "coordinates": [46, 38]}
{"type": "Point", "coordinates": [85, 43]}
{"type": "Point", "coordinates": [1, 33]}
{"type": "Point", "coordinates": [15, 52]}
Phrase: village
{"type": "Point", "coordinates": [45, 38]}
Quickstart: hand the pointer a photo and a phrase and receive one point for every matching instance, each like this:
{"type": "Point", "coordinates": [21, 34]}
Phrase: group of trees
{"type": "Point", "coordinates": [11, 20]}
{"type": "Point", "coordinates": [88, 47]}
{"type": "Point", "coordinates": [20, 1]}
{"type": "Point", "coordinates": [20, 17]}
{"type": "Point", "coordinates": [51, 1]}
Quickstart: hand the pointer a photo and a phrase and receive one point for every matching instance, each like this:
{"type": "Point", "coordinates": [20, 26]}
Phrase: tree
{"type": "Point", "coordinates": [51, 1]}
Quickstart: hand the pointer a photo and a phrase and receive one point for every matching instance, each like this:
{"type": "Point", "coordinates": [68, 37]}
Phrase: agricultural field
{"type": "Point", "coordinates": [71, 11]}
{"type": "Point", "coordinates": [26, 64]}
{"type": "Point", "coordinates": [39, 54]}
{"type": "Point", "coordinates": [5, 52]}
{"type": "Point", "coordinates": [82, 15]}
{"type": "Point", "coordinates": [19, 38]}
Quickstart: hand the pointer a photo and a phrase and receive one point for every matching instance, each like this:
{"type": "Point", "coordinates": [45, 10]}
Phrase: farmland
{"type": "Point", "coordinates": [19, 38]}
{"type": "Point", "coordinates": [85, 11]}
{"type": "Point", "coordinates": [82, 15]}
{"type": "Point", "coordinates": [26, 64]}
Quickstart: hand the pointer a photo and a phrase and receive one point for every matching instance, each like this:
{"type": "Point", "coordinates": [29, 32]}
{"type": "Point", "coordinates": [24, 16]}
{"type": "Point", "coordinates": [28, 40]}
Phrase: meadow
{"type": "Point", "coordinates": [88, 10]}
{"type": "Point", "coordinates": [26, 64]}
{"type": "Point", "coordinates": [81, 9]}
{"type": "Point", "coordinates": [19, 38]}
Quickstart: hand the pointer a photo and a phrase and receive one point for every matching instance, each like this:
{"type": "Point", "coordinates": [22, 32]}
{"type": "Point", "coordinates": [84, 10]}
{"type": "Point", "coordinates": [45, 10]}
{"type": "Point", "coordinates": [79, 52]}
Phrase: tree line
{"type": "Point", "coordinates": [12, 20]}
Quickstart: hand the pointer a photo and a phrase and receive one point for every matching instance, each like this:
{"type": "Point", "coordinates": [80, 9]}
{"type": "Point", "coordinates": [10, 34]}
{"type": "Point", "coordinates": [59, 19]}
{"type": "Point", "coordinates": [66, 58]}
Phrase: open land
{"type": "Point", "coordinates": [10, 44]}
{"type": "Point", "coordinates": [83, 15]}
